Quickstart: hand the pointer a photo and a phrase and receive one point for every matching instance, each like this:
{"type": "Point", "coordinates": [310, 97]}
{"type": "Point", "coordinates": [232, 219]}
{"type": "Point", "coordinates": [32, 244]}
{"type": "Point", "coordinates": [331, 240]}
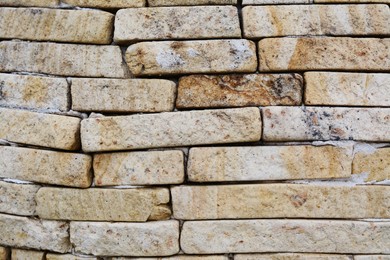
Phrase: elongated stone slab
{"type": "Point", "coordinates": [4, 253]}
{"type": "Point", "coordinates": [61, 59]}
{"type": "Point", "coordinates": [17, 199]}
{"type": "Point", "coordinates": [347, 89]}
{"type": "Point", "coordinates": [50, 256]}
{"type": "Point", "coordinates": [325, 123]}
{"type": "Point", "coordinates": [171, 129]}
{"type": "Point", "coordinates": [213, 164]}
{"type": "Point", "coordinates": [198, 91]}
{"type": "Point", "coordinates": [78, 26]}
{"type": "Point", "coordinates": [178, 257]}
{"type": "Point", "coordinates": [291, 256]}
{"type": "Point", "coordinates": [371, 257]}
{"type": "Point", "coordinates": [22, 254]}
{"type": "Point", "coordinates": [174, 57]}
{"type": "Point", "coordinates": [159, 238]}
{"type": "Point", "coordinates": [190, 2]}
{"type": "Point", "coordinates": [375, 164]}
{"type": "Point", "coordinates": [38, 3]}
{"type": "Point", "coordinates": [352, 1]}
{"type": "Point", "coordinates": [196, 22]}
{"type": "Point", "coordinates": [291, 20]}
{"type": "Point", "coordinates": [139, 168]}
{"type": "Point", "coordinates": [66, 169]}
{"type": "Point", "coordinates": [274, 2]}
{"type": "Point", "coordinates": [319, 236]}
{"type": "Point", "coordinates": [330, 53]}
{"type": "Point", "coordinates": [33, 233]}
{"type": "Point", "coordinates": [103, 204]}
{"type": "Point", "coordinates": [127, 95]}
{"type": "Point", "coordinates": [106, 4]}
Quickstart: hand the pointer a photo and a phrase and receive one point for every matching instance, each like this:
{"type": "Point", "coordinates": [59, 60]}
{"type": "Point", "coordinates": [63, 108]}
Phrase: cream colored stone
{"type": "Point", "coordinates": [190, 2]}
{"type": "Point", "coordinates": [77, 26]}
{"type": "Point", "coordinates": [371, 257]}
{"type": "Point", "coordinates": [375, 164]}
{"type": "Point", "coordinates": [61, 59]}
{"type": "Point", "coordinates": [196, 22]}
{"type": "Point", "coordinates": [274, 2]}
{"type": "Point", "coordinates": [38, 3]}
{"type": "Point", "coordinates": [291, 256]}
{"type": "Point", "coordinates": [352, 1]}
{"type": "Point", "coordinates": [328, 53]}
{"type": "Point", "coordinates": [171, 129]}
{"type": "Point", "coordinates": [50, 256]}
{"type": "Point", "coordinates": [178, 257]}
{"type": "Point", "coordinates": [347, 89]}
{"type": "Point", "coordinates": [54, 131]}
{"type": "Point", "coordinates": [4, 253]}
{"type": "Point", "coordinates": [213, 164]}
{"type": "Point", "coordinates": [326, 123]}
{"type": "Point", "coordinates": [21, 254]}
{"type": "Point", "coordinates": [33, 233]}
{"type": "Point", "coordinates": [127, 95]}
{"type": "Point", "coordinates": [179, 57]}
{"type": "Point", "coordinates": [139, 168]}
{"type": "Point", "coordinates": [105, 3]}
{"type": "Point", "coordinates": [58, 168]}
{"type": "Point", "coordinates": [17, 199]}
{"type": "Point", "coordinates": [158, 238]}
{"type": "Point", "coordinates": [103, 204]}
{"type": "Point", "coordinates": [265, 235]}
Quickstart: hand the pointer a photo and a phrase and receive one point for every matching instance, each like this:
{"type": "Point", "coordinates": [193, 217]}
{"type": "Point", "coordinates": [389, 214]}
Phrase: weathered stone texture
{"type": "Point", "coordinates": [61, 59]}
{"type": "Point", "coordinates": [347, 89]}
{"type": "Point", "coordinates": [327, 236]}
{"type": "Point", "coordinates": [21, 254]}
{"type": "Point", "coordinates": [376, 164]}
{"type": "Point", "coordinates": [180, 57]}
{"type": "Point", "coordinates": [178, 257]}
{"type": "Point", "coordinates": [32, 233]}
{"type": "Point", "coordinates": [159, 238]}
{"type": "Point", "coordinates": [50, 256]}
{"type": "Point", "coordinates": [139, 168]}
{"type": "Point", "coordinates": [54, 131]}
{"type": "Point", "coordinates": [105, 3]}
{"type": "Point", "coordinates": [171, 129]}
{"type": "Point", "coordinates": [212, 164]}
{"type": "Point", "coordinates": [352, 1]}
{"type": "Point", "coordinates": [67, 169]}
{"type": "Point", "coordinates": [330, 53]}
{"type": "Point", "coordinates": [268, 2]}
{"type": "Point", "coordinates": [190, 2]}
{"type": "Point", "coordinates": [103, 204]}
{"type": "Point", "coordinates": [4, 253]}
{"type": "Point", "coordinates": [37, 3]}
{"type": "Point", "coordinates": [127, 95]}
{"type": "Point", "coordinates": [371, 257]}
{"type": "Point", "coordinates": [198, 91]}
{"type": "Point", "coordinates": [83, 26]}
{"type": "Point", "coordinates": [325, 123]}
{"type": "Point", "coordinates": [17, 199]}
{"type": "Point", "coordinates": [290, 256]}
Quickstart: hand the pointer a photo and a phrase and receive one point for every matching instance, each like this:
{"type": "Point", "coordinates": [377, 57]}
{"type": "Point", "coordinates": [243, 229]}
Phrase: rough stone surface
{"type": "Point", "coordinates": [328, 53]}
{"type": "Point", "coordinates": [197, 91]}
{"type": "Point", "coordinates": [178, 257]}
{"type": "Point", "coordinates": [83, 26]}
{"type": "Point", "coordinates": [61, 59]}
{"type": "Point", "coordinates": [375, 164]}
{"type": "Point", "coordinates": [291, 256]}
{"type": "Point", "coordinates": [325, 123]}
{"type": "Point", "coordinates": [127, 95]}
{"type": "Point", "coordinates": [50, 256]}
{"type": "Point", "coordinates": [196, 22]}
{"type": "Point", "coordinates": [32, 233]}
{"type": "Point", "coordinates": [17, 199]}
{"type": "Point", "coordinates": [4, 253]}
{"type": "Point", "coordinates": [160, 238]}
{"type": "Point", "coordinates": [212, 164]}
{"type": "Point", "coordinates": [33, 92]}
{"type": "Point", "coordinates": [352, 1]}
{"type": "Point", "coordinates": [315, 236]}
{"type": "Point", "coordinates": [179, 57]}
{"type": "Point", "coordinates": [268, 2]}
{"type": "Point", "coordinates": [371, 257]}
{"type": "Point", "coordinates": [66, 169]}
{"type": "Point", "coordinates": [38, 3]}
{"type": "Point", "coordinates": [21, 254]}
{"type": "Point", "coordinates": [291, 20]}
{"type": "Point", "coordinates": [105, 3]}
{"type": "Point", "coordinates": [190, 2]}
{"type": "Point", "coordinates": [347, 89]}
{"type": "Point", "coordinates": [171, 129]}
{"type": "Point", "coordinates": [139, 168]}
{"type": "Point", "coordinates": [103, 204]}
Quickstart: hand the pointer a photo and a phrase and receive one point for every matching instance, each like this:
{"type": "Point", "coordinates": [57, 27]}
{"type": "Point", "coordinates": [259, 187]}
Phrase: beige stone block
{"type": "Point", "coordinates": [58, 168]}
{"type": "Point", "coordinates": [171, 129]}
{"type": "Point", "coordinates": [198, 91]}
{"type": "Point", "coordinates": [33, 233]}
{"type": "Point", "coordinates": [50, 256]}
{"type": "Point", "coordinates": [4, 253]}
{"type": "Point", "coordinates": [38, 3]}
{"type": "Point", "coordinates": [139, 168]}
{"type": "Point", "coordinates": [21, 254]}
{"type": "Point", "coordinates": [274, 2]}
{"type": "Point", "coordinates": [177, 257]}
{"type": "Point", "coordinates": [180, 57]}
{"type": "Point", "coordinates": [326, 123]}
{"type": "Point", "coordinates": [291, 256]}
{"type": "Point", "coordinates": [324, 53]}
{"type": "Point", "coordinates": [127, 95]}
{"type": "Point", "coordinates": [375, 164]}
{"type": "Point", "coordinates": [61, 59]}
{"type": "Point", "coordinates": [105, 3]}
{"type": "Point", "coordinates": [158, 238]}
{"type": "Point", "coordinates": [371, 257]}
{"type": "Point", "coordinates": [352, 1]}
{"type": "Point", "coordinates": [190, 2]}
{"type": "Point", "coordinates": [17, 199]}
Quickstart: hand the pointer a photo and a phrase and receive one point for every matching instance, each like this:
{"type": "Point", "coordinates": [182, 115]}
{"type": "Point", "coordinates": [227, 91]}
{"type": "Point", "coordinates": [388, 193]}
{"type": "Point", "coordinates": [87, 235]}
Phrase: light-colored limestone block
{"type": "Point", "coordinates": [17, 199]}
{"type": "Point", "coordinates": [4, 253]}
{"type": "Point", "coordinates": [50, 256]}
{"type": "Point", "coordinates": [371, 257]}
{"type": "Point", "coordinates": [22, 254]}
{"type": "Point", "coordinates": [352, 1]}
{"type": "Point", "coordinates": [105, 4]}
{"type": "Point", "coordinates": [190, 2]}
{"type": "Point", "coordinates": [37, 3]}
{"type": "Point", "coordinates": [178, 257]}
{"type": "Point", "coordinates": [375, 164]}
{"type": "Point", "coordinates": [291, 256]}
{"type": "Point", "coordinates": [274, 2]}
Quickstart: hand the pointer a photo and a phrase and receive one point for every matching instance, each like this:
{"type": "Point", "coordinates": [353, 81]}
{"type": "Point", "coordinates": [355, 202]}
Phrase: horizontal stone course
{"type": "Point", "coordinates": [376, 164]}
{"type": "Point", "coordinates": [22, 254]}
{"type": "Point", "coordinates": [352, 1]}
{"type": "Point", "coordinates": [18, 199]}
{"type": "Point", "coordinates": [50, 256]}
{"type": "Point", "coordinates": [371, 257]}
{"type": "Point", "coordinates": [37, 3]}
{"type": "Point", "coordinates": [274, 2]}
{"type": "Point", "coordinates": [178, 257]}
{"type": "Point", "coordinates": [105, 3]}
{"type": "Point", "coordinates": [190, 2]}
{"type": "Point", "coordinates": [291, 256]}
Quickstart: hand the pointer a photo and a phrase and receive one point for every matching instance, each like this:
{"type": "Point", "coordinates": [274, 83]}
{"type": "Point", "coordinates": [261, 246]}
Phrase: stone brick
{"type": "Point", "coordinates": [196, 22]}
{"type": "Point", "coordinates": [17, 199]}
{"type": "Point", "coordinates": [371, 257]}
{"type": "Point", "coordinates": [290, 20]}
{"type": "Point", "coordinates": [4, 253]}
{"type": "Point", "coordinates": [38, 3]}
{"type": "Point", "coordinates": [33, 233]}
{"type": "Point", "coordinates": [328, 53]}
{"type": "Point", "coordinates": [347, 89]}
{"type": "Point", "coordinates": [67, 169]}
{"type": "Point", "coordinates": [50, 256]}
{"type": "Point", "coordinates": [180, 57]}
{"type": "Point", "coordinates": [190, 2]}
{"type": "Point", "coordinates": [325, 123]}
{"type": "Point", "coordinates": [33, 92]}
{"type": "Point", "coordinates": [103, 204]}
{"type": "Point", "coordinates": [61, 59]}
{"type": "Point", "coordinates": [159, 238]}
{"type": "Point", "coordinates": [106, 4]}
{"type": "Point", "coordinates": [274, 2]}
{"type": "Point", "coordinates": [21, 254]}
{"type": "Point", "coordinates": [177, 257]}
{"type": "Point", "coordinates": [198, 91]}
{"type": "Point", "coordinates": [375, 164]}
{"type": "Point", "coordinates": [291, 256]}
{"type": "Point", "coordinates": [139, 168]}
{"type": "Point", "coordinates": [213, 164]}
{"type": "Point", "coordinates": [83, 26]}
{"type": "Point", "coordinates": [127, 95]}
{"type": "Point", "coordinates": [352, 1]}
{"type": "Point", "coordinates": [320, 236]}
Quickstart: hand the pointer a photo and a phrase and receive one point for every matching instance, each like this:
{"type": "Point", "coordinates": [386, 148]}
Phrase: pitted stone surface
{"type": "Point", "coordinates": [106, 4]}
{"type": "Point", "coordinates": [178, 257]}
{"type": "Point", "coordinates": [375, 164]}
{"type": "Point", "coordinates": [18, 199]}
{"type": "Point", "coordinates": [50, 256]}
{"type": "Point", "coordinates": [291, 256]}
{"type": "Point", "coordinates": [22, 254]}
{"type": "Point", "coordinates": [272, 2]}
{"type": "Point", "coordinates": [37, 3]}
{"type": "Point", "coordinates": [190, 2]}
